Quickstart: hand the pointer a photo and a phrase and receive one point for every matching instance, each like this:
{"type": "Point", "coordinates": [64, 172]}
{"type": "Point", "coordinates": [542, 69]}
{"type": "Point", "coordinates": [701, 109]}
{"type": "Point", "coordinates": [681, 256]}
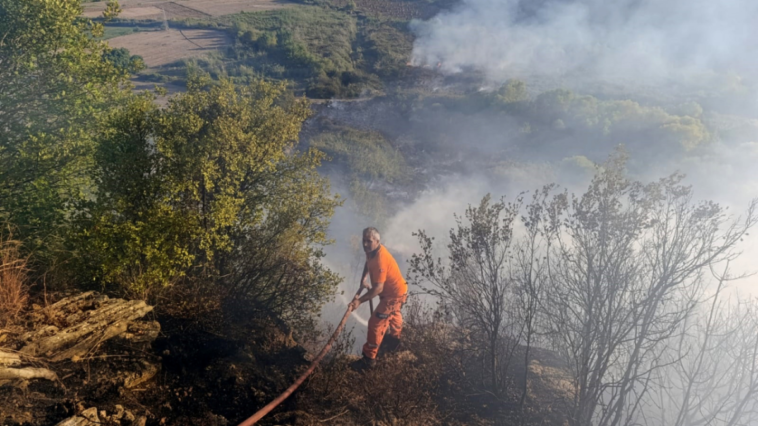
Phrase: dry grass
{"type": "Point", "coordinates": [13, 277]}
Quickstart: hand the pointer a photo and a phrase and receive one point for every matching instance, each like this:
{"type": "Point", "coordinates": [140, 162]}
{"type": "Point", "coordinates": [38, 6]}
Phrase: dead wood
{"type": "Point", "coordinates": [26, 374]}
{"type": "Point", "coordinates": [9, 359]}
{"type": "Point", "coordinates": [89, 319]}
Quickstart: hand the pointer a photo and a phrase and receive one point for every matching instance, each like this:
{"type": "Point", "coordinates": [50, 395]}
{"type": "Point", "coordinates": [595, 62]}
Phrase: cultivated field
{"type": "Point", "coordinates": [159, 48]}
{"type": "Point", "coordinates": [154, 9]}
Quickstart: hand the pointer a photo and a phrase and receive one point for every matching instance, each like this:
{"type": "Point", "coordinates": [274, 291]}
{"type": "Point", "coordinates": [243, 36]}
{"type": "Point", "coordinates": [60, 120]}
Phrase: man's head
{"type": "Point", "coordinates": [371, 239]}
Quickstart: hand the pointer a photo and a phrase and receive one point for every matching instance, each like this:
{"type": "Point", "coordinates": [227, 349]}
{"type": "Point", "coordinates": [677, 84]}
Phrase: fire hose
{"type": "Point", "coordinates": [273, 404]}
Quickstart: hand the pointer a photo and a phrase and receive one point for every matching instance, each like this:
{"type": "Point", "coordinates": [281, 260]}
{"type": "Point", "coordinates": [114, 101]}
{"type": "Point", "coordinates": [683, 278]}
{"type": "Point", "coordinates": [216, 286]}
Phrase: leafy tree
{"type": "Point", "coordinates": [54, 87]}
{"type": "Point", "coordinates": [123, 60]}
{"type": "Point", "coordinates": [209, 189]}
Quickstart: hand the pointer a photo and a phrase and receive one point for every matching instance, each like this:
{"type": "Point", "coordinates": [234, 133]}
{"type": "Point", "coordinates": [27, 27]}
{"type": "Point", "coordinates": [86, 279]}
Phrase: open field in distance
{"type": "Point", "coordinates": [154, 9]}
{"type": "Point", "coordinates": [159, 48]}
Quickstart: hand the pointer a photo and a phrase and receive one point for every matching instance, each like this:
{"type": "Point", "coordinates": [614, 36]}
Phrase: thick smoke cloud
{"type": "Point", "coordinates": [616, 40]}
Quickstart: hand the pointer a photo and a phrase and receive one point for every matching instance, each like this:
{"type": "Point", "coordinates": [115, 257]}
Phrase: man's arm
{"type": "Point", "coordinates": [373, 292]}
{"type": "Point", "coordinates": [364, 282]}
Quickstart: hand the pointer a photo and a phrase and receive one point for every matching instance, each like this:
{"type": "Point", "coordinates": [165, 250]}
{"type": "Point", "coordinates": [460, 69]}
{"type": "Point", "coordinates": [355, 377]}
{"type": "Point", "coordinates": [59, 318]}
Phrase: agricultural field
{"type": "Point", "coordinates": [155, 9]}
{"type": "Point", "coordinates": [403, 10]}
{"type": "Point", "coordinates": [159, 48]}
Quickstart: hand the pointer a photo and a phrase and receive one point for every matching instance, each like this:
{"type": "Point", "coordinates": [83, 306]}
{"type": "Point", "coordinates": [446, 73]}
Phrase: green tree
{"type": "Point", "coordinates": [123, 60]}
{"type": "Point", "coordinates": [209, 188]}
{"type": "Point", "coordinates": [54, 87]}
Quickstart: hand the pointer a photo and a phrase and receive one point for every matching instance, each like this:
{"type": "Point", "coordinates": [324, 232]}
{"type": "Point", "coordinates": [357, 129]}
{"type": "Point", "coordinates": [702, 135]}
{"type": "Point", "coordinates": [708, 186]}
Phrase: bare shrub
{"type": "Point", "coordinates": [415, 386]}
{"type": "Point", "coordinates": [13, 275]}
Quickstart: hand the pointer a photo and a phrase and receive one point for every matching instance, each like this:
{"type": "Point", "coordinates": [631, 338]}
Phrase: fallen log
{"type": "Point", "coordinates": [9, 359]}
{"type": "Point", "coordinates": [91, 319]}
{"type": "Point", "coordinates": [26, 374]}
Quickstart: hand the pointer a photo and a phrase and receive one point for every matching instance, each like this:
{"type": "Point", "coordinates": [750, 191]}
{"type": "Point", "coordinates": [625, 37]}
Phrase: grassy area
{"type": "Point", "coordinates": [372, 162]}
{"type": "Point", "coordinates": [118, 31]}
{"type": "Point", "coordinates": [327, 52]}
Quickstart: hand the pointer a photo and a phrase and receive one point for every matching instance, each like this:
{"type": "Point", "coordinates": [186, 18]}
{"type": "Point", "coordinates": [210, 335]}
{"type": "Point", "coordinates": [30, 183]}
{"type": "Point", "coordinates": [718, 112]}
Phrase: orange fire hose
{"type": "Point", "coordinates": [271, 405]}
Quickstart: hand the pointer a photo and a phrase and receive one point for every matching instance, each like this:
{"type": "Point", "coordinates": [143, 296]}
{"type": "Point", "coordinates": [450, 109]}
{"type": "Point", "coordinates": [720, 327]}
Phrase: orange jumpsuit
{"type": "Point", "coordinates": [382, 267]}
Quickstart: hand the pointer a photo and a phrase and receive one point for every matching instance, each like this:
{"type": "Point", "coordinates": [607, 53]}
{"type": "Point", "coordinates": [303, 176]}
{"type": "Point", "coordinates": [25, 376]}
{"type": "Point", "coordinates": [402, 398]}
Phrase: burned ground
{"type": "Point", "coordinates": [220, 367]}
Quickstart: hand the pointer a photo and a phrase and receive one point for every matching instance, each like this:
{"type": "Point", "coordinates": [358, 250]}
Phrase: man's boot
{"type": "Point", "coordinates": [389, 344]}
{"type": "Point", "coordinates": [363, 364]}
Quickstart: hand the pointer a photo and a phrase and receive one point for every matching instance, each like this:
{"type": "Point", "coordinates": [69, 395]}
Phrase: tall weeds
{"type": "Point", "coordinates": [13, 276]}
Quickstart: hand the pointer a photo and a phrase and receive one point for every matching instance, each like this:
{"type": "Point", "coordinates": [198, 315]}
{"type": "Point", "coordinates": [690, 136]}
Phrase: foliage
{"type": "Point", "coordinates": [54, 87]}
{"type": "Point", "coordinates": [208, 188]}
{"type": "Point", "coordinates": [619, 117]}
{"type": "Point", "coordinates": [368, 154]}
{"type": "Point", "coordinates": [388, 47]}
{"type": "Point", "coordinates": [325, 51]}
{"type": "Point", "coordinates": [313, 44]}
{"type": "Point", "coordinates": [112, 10]}
{"type": "Point", "coordinates": [123, 60]}
{"type": "Point", "coordinates": [555, 114]}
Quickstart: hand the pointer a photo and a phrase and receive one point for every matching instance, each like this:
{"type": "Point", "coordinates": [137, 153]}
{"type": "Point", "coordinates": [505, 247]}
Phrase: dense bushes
{"type": "Point", "coordinates": [123, 60]}
{"type": "Point", "coordinates": [372, 162]}
{"type": "Point", "coordinates": [207, 189]}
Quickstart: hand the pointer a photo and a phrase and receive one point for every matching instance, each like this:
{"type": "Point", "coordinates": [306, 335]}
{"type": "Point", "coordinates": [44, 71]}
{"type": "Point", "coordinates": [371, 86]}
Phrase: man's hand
{"type": "Point", "coordinates": [355, 303]}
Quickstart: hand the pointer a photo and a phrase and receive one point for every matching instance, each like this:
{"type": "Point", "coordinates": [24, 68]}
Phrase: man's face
{"type": "Point", "coordinates": [370, 242]}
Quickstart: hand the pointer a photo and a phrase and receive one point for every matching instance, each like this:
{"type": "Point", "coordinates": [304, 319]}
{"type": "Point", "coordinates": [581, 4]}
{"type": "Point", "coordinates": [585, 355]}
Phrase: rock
{"type": "Point", "coordinates": [87, 417]}
{"type": "Point", "coordinates": [90, 414]}
{"type": "Point", "coordinates": [129, 417]}
{"type": "Point", "coordinates": [119, 414]}
{"type": "Point", "coordinates": [141, 420]}
{"type": "Point", "coordinates": [137, 378]}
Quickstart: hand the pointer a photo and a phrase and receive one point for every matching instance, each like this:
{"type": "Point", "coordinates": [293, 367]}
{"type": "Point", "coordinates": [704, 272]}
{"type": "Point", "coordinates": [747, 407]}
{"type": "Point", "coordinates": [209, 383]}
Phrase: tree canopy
{"type": "Point", "coordinates": [54, 87]}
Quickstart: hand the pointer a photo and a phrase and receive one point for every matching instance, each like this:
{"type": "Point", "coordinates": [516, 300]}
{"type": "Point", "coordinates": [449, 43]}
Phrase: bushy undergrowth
{"type": "Point", "coordinates": [372, 161]}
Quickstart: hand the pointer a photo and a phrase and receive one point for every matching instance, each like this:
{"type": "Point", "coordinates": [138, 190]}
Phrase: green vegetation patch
{"type": "Point", "coordinates": [373, 162]}
{"type": "Point", "coordinates": [310, 45]}
{"type": "Point", "coordinates": [388, 47]}
{"type": "Point", "coordinates": [327, 52]}
{"type": "Point", "coordinates": [368, 154]}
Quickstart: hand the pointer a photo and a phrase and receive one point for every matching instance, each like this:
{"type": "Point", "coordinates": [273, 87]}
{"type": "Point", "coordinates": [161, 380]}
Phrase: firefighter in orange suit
{"type": "Point", "coordinates": [387, 282]}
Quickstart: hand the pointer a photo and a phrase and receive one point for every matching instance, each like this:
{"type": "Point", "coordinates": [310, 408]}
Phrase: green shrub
{"type": "Point", "coordinates": [123, 60]}
{"type": "Point", "coordinates": [208, 189]}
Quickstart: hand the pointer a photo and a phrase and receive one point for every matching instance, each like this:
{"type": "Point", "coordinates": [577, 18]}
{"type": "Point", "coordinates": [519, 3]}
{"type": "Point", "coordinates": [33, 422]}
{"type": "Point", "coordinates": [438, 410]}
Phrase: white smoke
{"type": "Point", "coordinates": [612, 40]}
